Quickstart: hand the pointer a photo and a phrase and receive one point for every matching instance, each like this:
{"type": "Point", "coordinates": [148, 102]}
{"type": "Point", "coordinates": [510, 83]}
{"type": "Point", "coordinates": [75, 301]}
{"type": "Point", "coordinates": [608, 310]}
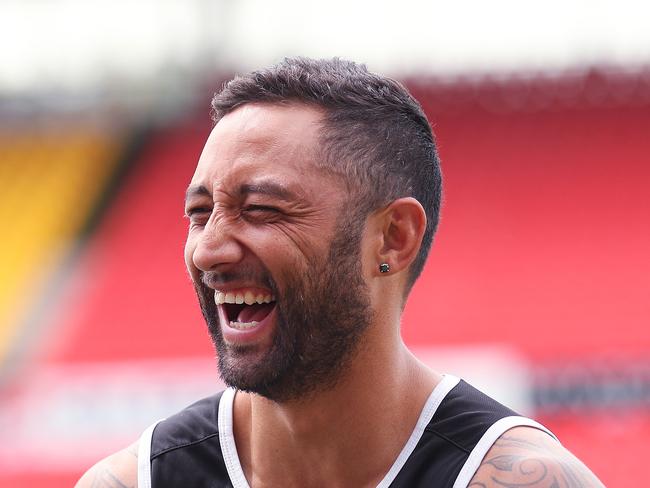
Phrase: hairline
{"type": "Point", "coordinates": [321, 153]}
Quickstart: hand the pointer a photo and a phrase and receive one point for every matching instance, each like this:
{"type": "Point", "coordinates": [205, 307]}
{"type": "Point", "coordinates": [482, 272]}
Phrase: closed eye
{"type": "Point", "coordinates": [260, 208]}
{"type": "Point", "coordinates": [198, 215]}
{"type": "Point", "coordinates": [190, 212]}
{"type": "Point", "coordinates": [261, 213]}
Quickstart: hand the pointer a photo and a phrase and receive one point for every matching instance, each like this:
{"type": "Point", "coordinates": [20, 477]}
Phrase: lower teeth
{"type": "Point", "coordinates": [242, 325]}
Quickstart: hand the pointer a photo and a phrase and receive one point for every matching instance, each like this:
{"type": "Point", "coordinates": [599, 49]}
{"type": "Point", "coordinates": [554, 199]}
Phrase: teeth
{"type": "Point", "coordinates": [242, 325]}
{"type": "Point", "coordinates": [247, 297]}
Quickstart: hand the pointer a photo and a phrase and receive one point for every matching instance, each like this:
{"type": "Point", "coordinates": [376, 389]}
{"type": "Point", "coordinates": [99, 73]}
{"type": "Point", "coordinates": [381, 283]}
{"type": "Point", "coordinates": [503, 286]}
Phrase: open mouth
{"type": "Point", "coordinates": [244, 309]}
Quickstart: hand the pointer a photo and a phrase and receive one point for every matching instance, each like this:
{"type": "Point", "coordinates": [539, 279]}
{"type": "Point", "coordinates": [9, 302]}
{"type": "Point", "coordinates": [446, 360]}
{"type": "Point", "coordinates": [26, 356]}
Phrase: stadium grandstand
{"type": "Point", "coordinates": [536, 289]}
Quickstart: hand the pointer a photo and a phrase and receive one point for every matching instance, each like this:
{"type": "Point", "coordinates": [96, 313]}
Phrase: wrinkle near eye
{"type": "Point", "coordinates": [300, 232]}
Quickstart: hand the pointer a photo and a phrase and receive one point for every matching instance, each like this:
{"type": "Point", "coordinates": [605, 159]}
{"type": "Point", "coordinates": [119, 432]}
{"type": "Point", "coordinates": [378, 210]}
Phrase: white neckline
{"type": "Point", "coordinates": [227, 440]}
{"type": "Point", "coordinates": [231, 458]}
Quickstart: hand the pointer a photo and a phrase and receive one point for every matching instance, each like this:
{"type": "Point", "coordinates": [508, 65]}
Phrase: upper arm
{"type": "Point", "coordinates": [119, 470]}
{"type": "Point", "coordinates": [528, 457]}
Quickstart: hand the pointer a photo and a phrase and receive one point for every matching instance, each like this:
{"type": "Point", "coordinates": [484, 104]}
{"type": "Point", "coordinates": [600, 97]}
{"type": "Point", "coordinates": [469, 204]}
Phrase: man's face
{"type": "Point", "coordinates": [274, 254]}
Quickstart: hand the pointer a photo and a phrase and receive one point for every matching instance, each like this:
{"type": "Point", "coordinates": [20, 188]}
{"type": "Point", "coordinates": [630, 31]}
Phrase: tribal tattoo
{"type": "Point", "coordinates": [516, 461]}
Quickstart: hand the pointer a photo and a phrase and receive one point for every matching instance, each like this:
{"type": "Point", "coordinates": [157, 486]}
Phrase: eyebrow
{"type": "Point", "coordinates": [196, 190]}
{"type": "Point", "coordinates": [268, 188]}
{"type": "Point", "coordinates": [263, 188]}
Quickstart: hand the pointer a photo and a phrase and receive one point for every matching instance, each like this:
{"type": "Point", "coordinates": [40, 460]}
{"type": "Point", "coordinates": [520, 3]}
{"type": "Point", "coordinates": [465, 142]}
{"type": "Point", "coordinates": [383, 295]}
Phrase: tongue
{"type": "Point", "coordinates": [255, 312]}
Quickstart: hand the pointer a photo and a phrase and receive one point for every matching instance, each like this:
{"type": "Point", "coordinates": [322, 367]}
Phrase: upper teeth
{"type": "Point", "coordinates": [247, 297]}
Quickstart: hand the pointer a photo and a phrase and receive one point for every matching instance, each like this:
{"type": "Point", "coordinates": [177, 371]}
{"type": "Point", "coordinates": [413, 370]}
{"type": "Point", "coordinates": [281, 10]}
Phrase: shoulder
{"type": "Point", "coordinates": [193, 424]}
{"type": "Point", "coordinates": [119, 470]}
{"type": "Point", "coordinates": [526, 456]}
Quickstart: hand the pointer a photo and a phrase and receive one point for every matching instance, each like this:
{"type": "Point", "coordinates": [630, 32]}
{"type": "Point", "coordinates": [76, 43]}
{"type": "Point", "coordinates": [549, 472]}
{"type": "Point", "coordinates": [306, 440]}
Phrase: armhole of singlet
{"type": "Point", "coordinates": [144, 457]}
{"type": "Point", "coordinates": [436, 397]}
{"type": "Point", "coordinates": [495, 431]}
{"type": "Point", "coordinates": [227, 440]}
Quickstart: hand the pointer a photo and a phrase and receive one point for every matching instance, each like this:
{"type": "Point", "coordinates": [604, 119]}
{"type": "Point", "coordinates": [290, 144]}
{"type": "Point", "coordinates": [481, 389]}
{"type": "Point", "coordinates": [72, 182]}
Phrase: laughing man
{"type": "Point", "coordinates": [311, 213]}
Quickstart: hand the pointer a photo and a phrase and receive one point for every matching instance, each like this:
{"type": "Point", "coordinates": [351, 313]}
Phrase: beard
{"type": "Point", "coordinates": [322, 314]}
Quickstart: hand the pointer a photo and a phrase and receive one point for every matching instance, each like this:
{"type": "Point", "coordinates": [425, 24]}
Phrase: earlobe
{"type": "Point", "coordinates": [403, 226]}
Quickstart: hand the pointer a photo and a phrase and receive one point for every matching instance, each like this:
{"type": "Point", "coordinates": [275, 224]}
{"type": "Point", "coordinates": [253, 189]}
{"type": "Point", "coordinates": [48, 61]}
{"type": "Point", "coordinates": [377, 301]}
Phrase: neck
{"type": "Point", "coordinates": [317, 436]}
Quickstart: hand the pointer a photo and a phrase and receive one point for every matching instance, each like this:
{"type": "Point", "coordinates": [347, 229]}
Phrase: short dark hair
{"type": "Point", "coordinates": [374, 132]}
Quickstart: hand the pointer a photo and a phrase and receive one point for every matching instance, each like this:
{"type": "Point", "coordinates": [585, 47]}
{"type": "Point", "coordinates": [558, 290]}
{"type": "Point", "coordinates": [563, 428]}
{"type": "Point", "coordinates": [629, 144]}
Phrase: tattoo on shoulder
{"type": "Point", "coordinates": [106, 479]}
{"type": "Point", "coordinates": [516, 463]}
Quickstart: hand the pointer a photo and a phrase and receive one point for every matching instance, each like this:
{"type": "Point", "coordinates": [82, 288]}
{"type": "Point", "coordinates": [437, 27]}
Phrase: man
{"type": "Point", "coordinates": [311, 213]}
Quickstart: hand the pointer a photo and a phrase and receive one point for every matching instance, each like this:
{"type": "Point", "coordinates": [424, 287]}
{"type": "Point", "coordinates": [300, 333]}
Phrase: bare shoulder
{"type": "Point", "coordinates": [528, 457]}
{"type": "Point", "coordinates": [119, 470]}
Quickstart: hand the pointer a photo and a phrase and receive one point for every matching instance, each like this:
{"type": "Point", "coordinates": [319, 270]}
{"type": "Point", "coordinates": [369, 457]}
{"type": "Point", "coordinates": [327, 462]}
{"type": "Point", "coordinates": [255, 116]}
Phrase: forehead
{"type": "Point", "coordinates": [261, 140]}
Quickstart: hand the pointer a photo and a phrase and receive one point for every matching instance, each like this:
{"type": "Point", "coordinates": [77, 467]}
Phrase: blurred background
{"type": "Point", "coordinates": [537, 286]}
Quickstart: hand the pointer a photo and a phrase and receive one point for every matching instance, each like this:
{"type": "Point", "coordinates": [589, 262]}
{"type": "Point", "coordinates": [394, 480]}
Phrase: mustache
{"type": "Point", "coordinates": [248, 274]}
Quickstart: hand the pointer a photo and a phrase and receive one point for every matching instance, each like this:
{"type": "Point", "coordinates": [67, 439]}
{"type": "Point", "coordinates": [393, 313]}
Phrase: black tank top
{"type": "Point", "coordinates": [458, 425]}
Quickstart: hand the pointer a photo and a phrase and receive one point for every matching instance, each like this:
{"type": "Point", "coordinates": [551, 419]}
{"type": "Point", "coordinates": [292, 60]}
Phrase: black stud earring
{"type": "Point", "coordinates": [384, 268]}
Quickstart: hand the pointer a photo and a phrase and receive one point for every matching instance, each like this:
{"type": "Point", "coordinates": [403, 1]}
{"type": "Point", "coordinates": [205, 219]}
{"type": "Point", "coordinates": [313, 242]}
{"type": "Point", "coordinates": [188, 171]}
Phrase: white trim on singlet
{"type": "Point", "coordinates": [433, 402]}
{"type": "Point", "coordinates": [231, 459]}
{"type": "Point", "coordinates": [495, 431]}
{"type": "Point", "coordinates": [236, 474]}
{"type": "Point", "coordinates": [227, 440]}
{"type": "Point", "coordinates": [144, 457]}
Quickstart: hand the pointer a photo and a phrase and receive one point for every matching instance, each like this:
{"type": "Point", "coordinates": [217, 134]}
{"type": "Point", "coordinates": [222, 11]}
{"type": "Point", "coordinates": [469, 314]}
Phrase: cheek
{"type": "Point", "coordinates": [288, 244]}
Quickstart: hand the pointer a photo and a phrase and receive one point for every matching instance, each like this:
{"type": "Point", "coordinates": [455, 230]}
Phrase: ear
{"type": "Point", "coordinates": [403, 223]}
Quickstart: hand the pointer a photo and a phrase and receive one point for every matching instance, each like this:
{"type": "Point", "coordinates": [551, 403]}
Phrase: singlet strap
{"type": "Point", "coordinates": [144, 457]}
{"type": "Point", "coordinates": [436, 397]}
{"type": "Point", "coordinates": [227, 440]}
{"type": "Point", "coordinates": [491, 435]}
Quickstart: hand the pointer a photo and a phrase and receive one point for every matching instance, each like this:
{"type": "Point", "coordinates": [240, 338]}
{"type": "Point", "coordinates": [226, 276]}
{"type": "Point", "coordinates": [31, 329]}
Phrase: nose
{"type": "Point", "coordinates": [216, 246]}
